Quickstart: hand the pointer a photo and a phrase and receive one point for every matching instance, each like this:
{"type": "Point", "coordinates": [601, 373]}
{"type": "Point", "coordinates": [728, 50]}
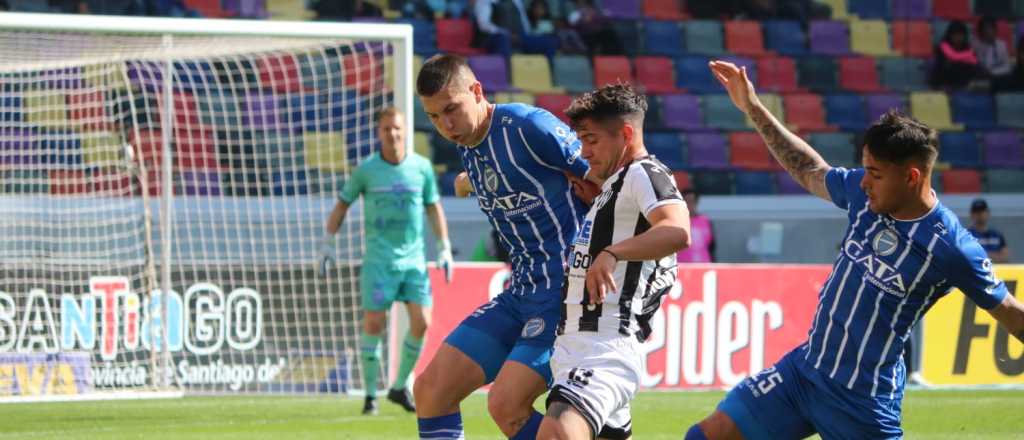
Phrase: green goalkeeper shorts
{"type": "Point", "coordinates": [382, 286]}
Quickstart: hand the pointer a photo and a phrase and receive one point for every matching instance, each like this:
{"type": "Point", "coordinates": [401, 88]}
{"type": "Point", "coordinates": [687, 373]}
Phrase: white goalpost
{"type": "Point", "coordinates": [165, 184]}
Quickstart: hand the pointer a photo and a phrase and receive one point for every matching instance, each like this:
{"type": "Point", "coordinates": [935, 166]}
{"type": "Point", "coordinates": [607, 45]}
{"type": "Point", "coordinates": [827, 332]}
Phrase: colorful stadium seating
{"type": "Point", "coordinates": [785, 37]}
{"type": "Point", "coordinates": [806, 112]}
{"type": "Point", "coordinates": [612, 70]}
{"type": "Point", "coordinates": [685, 111]}
{"type": "Point", "coordinates": [932, 108]}
{"type": "Point", "coordinates": [870, 37]}
{"type": "Point", "coordinates": [846, 111]}
{"type": "Point", "coordinates": [912, 38]}
{"type": "Point", "coordinates": [704, 37]}
{"type": "Point", "coordinates": [668, 148]}
{"type": "Point", "coordinates": [455, 35]}
{"type": "Point", "coordinates": [663, 10]}
{"type": "Point", "coordinates": [959, 150]}
{"type": "Point", "coordinates": [744, 37]}
{"type": "Point", "coordinates": [961, 181]}
{"type": "Point", "coordinates": [663, 38]}
{"type": "Point", "coordinates": [976, 111]}
{"type": "Point", "coordinates": [532, 73]}
{"type": "Point", "coordinates": [492, 71]}
{"type": "Point", "coordinates": [655, 74]}
{"type": "Point", "coordinates": [747, 151]}
{"type": "Point", "coordinates": [818, 73]}
{"type": "Point", "coordinates": [573, 73]}
{"type": "Point", "coordinates": [777, 74]}
{"type": "Point", "coordinates": [829, 37]}
{"type": "Point", "coordinates": [859, 74]}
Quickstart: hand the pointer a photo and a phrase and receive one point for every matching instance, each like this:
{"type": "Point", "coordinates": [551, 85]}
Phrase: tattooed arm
{"type": "Point", "coordinates": [801, 161]}
{"type": "Point", "coordinates": [1010, 313]}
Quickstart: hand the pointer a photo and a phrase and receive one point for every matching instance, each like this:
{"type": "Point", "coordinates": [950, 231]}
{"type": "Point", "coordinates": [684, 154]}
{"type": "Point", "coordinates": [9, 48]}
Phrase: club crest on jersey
{"type": "Point", "coordinates": [885, 243]}
{"type": "Point", "coordinates": [533, 327]}
{"type": "Point", "coordinates": [490, 179]}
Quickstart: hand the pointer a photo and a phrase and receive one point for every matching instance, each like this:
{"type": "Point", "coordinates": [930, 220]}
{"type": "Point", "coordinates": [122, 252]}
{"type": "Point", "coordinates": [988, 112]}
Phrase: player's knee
{"type": "Point", "coordinates": [550, 429]}
{"type": "Point", "coordinates": [419, 329]}
{"type": "Point", "coordinates": [505, 410]}
{"type": "Point", "coordinates": [372, 324]}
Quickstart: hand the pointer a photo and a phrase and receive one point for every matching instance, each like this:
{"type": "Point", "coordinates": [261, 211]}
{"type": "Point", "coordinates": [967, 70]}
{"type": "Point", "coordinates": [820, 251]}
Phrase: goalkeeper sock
{"type": "Point", "coordinates": [410, 354]}
{"type": "Point", "coordinates": [370, 356]}
{"type": "Point", "coordinates": [529, 430]}
{"type": "Point", "coordinates": [443, 427]}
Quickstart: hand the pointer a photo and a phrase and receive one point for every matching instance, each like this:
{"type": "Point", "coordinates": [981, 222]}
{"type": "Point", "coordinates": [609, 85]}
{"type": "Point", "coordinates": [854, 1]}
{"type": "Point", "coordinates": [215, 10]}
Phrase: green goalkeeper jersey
{"type": "Point", "coordinates": [394, 199]}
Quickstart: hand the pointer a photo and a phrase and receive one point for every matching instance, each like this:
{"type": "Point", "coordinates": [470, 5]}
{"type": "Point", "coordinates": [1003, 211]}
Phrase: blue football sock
{"type": "Point", "coordinates": [529, 430]}
{"type": "Point", "coordinates": [442, 427]}
{"type": "Point", "coordinates": [695, 434]}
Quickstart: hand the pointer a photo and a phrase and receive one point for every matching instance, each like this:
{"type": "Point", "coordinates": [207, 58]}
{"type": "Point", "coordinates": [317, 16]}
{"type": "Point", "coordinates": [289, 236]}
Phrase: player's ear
{"type": "Point", "coordinates": [477, 90]}
{"type": "Point", "coordinates": [628, 132]}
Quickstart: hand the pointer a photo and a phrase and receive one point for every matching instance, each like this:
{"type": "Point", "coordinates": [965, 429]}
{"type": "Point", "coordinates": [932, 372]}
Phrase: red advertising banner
{"type": "Point", "coordinates": [720, 323]}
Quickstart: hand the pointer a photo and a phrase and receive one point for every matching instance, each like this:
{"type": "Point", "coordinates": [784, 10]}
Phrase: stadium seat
{"type": "Point", "coordinates": [68, 182]}
{"type": "Point", "coordinates": [532, 73]}
{"type": "Point", "coordinates": [685, 111]}
{"type": "Point", "coordinates": [573, 73]}
{"type": "Point", "coordinates": [785, 37]}
{"type": "Point", "coordinates": [683, 181]}
{"type": "Point", "coordinates": [424, 36]}
{"type": "Point", "coordinates": [663, 38]}
{"type": "Point", "coordinates": [993, 8]}
{"type": "Point", "coordinates": [721, 114]}
{"type": "Point", "coordinates": [836, 148]}
{"type": "Point", "coordinates": [655, 75]}
{"type": "Point", "coordinates": [859, 74]}
{"type": "Point", "coordinates": [704, 37]}
{"type": "Point", "coordinates": [652, 119]}
{"type": "Point", "coordinates": [455, 35]}
{"type": "Point", "coordinates": [976, 111]}
{"type": "Point", "coordinates": [1010, 109]}
{"type": "Point", "coordinates": [903, 74]}
{"type": "Point", "coordinates": [663, 10]}
{"type": "Point", "coordinates": [846, 111]}
{"type": "Point", "coordinates": [937, 180]}
{"type": "Point", "coordinates": [839, 8]}
{"type": "Point", "coordinates": [707, 150]}
{"type": "Point", "coordinates": [748, 152]}
{"type": "Point", "coordinates": [1005, 181]}
{"type": "Point", "coordinates": [777, 74]}
{"type": "Point", "coordinates": [621, 9]}
{"type": "Point", "coordinates": [786, 185]}
{"type": "Point", "coordinates": [289, 182]}
{"type": "Point", "coordinates": [806, 112]}
{"type": "Point", "coordinates": [507, 98]}
{"type": "Point", "coordinates": [420, 121]}
{"type": "Point", "coordinates": [912, 38]}
{"type": "Point", "coordinates": [755, 183]}
{"type": "Point", "coordinates": [959, 150]}
{"type": "Point", "coordinates": [259, 110]}
{"type": "Point", "coordinates": [200, 183]}
{"type": "Point", "coordinates": [829, 37]}
{"type": "Point", "coordinates": [879, 104]}
{"type": "Point", "coordinates": [206, 8]}
{"type": "Point", "coordinates": [554, 103]}
{"type": "Point", "coordinates": [952, 9]}
{"type": "Point", "coordinates": [1003, 149]}
{"type": "Point", "coordinates": [492, 71]}
{"type": "Point", "coordinates": [868, 9]}
{"type": "Point", "coordinates": [279, 72]}
{"type": "Point", "coordinates": [88, 109]}
{"type": "Point", "coordinates": [628, 33]}
{"type": "Point", "coordinates": [668, 148]}
{"type": "Point", "coordinates": [739, 61]}
{"type": "Point", "coordinates": [713, 182]}
{"type": "Point", "coordinates": [911, 9]}
{"type": "Point", "coordinates": [744, 37]}
{"type": "Point", "coordinates": [818, 73]}
{"type": "Point", "coordinates": [46, 109]}
{"type": "Point", "coordinates": [932, 108]}
{"type": "Point", "coordinates": [870, 37]}
{"type": "Point", "coordinates": [959, 181]}
{"type": "Point", "coordinates": [693, 75]}
{"type": "Point", "coordinates": [612, 70]}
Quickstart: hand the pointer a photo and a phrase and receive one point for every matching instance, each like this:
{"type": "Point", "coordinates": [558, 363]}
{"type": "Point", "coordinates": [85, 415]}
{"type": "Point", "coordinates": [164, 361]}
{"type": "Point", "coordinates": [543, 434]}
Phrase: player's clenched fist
{"type": "Point", "coordinates": [463, 187]}
{"type": "Point", "coordinates": [584, 189]}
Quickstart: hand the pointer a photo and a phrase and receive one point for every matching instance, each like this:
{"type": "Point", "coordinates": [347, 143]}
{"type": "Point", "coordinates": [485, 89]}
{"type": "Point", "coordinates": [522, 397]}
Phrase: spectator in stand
{"type": "Point", "coordinates": [702, 237]}
{"type": "Point", "coordinates": [344, 10]}
{"type": "Point", "coordinates": [990, 239]}
{"type": "Point", "coordinates": [993, 56]}
{"type": "Point", "coordinates": [503, 24]}
{"type": "Point", "coordinates": [956, 64]}
{"type": "Point", "coordinates": [541, 23]}
{"type": "Point", "coordinates": [591, 24]}
{"type": "Point", "coordinates": [1015, 80]}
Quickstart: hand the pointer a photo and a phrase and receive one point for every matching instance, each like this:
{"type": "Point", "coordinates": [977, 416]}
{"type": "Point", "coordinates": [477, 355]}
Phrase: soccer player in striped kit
{"type": "Point", "coordinates": [517, 158]}
{"type": "Point", "coordinates": [902, 252]}
{"type": "Point", "coordinates": [621, 266]}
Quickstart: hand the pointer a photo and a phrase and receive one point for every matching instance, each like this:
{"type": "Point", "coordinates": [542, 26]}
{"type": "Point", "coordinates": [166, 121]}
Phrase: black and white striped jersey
{"type": "Point", "coordinates": [619, 213]}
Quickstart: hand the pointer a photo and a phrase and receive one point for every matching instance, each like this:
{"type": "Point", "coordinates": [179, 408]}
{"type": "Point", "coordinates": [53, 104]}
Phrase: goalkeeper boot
{"type": "Point", "coordinates": [370, 406]}
{"type": "Point", "coordinates": [402, 398]}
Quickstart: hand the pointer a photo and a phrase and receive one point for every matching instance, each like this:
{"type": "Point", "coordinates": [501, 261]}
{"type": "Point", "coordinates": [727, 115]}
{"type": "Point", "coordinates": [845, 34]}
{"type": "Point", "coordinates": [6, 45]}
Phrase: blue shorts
{"type": "Point", "coordinates": [786, 401]}
{"type": "Point", "coordinates": [511, 327]}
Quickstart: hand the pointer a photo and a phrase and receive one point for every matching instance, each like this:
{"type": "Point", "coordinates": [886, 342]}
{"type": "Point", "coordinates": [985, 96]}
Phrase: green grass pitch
{"type": "Point", "coordinates": [656, 415]}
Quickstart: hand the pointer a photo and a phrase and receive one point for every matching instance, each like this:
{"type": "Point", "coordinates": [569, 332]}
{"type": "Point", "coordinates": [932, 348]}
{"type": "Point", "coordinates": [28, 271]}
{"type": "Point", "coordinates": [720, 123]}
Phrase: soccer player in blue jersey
{"type": "Point", "coordinates": [516, 157]}
{"type": "Point", "coordinates": [902, 252]}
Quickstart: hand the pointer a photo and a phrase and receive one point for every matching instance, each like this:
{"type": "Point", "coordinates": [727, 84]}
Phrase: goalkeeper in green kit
{"type": "Point", "coordinates": [397, 186]}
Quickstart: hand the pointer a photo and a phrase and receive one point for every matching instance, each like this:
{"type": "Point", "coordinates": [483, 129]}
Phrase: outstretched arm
{"type": "Point", "coordinates": [437, 221]}
{"type": "Point", "coordinates": [1010, 313]}
{"type": "Point", "coordinates": [801, 161]}
{"type": "Point", "coordinates": [337, 217]}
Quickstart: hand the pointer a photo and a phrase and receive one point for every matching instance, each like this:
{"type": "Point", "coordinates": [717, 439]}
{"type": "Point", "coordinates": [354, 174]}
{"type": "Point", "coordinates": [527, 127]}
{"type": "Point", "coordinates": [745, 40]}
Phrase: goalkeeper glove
{"type": "Point", "coordinates": [444, 259]}
{"type": "Point", "coordinates": [326, 258]}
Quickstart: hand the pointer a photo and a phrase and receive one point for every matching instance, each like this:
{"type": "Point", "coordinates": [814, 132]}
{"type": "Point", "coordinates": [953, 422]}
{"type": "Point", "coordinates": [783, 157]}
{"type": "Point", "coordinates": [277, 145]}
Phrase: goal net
{"type": "Point", "coordinates": [165, 189]}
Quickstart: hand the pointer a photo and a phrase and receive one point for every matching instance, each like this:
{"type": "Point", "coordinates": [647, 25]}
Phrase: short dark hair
{"type": "Point", "coordinates": [613, 101]}
{"type": "Point", "coordinates": [898, 138]}
{"type": "Point", "coordinates": [437, 72]}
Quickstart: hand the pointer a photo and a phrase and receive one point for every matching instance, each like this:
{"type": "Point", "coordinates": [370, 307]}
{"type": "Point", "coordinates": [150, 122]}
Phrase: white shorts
{"type": "Point", "coordinates": [598, 375]}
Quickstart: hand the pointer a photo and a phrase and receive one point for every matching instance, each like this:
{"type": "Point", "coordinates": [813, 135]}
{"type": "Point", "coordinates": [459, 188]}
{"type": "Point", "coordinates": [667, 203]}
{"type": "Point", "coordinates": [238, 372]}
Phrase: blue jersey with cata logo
{"type": "Point", "coordinates": [518, 175]}
{"type": "Point", "coordinates": [887, 275]}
